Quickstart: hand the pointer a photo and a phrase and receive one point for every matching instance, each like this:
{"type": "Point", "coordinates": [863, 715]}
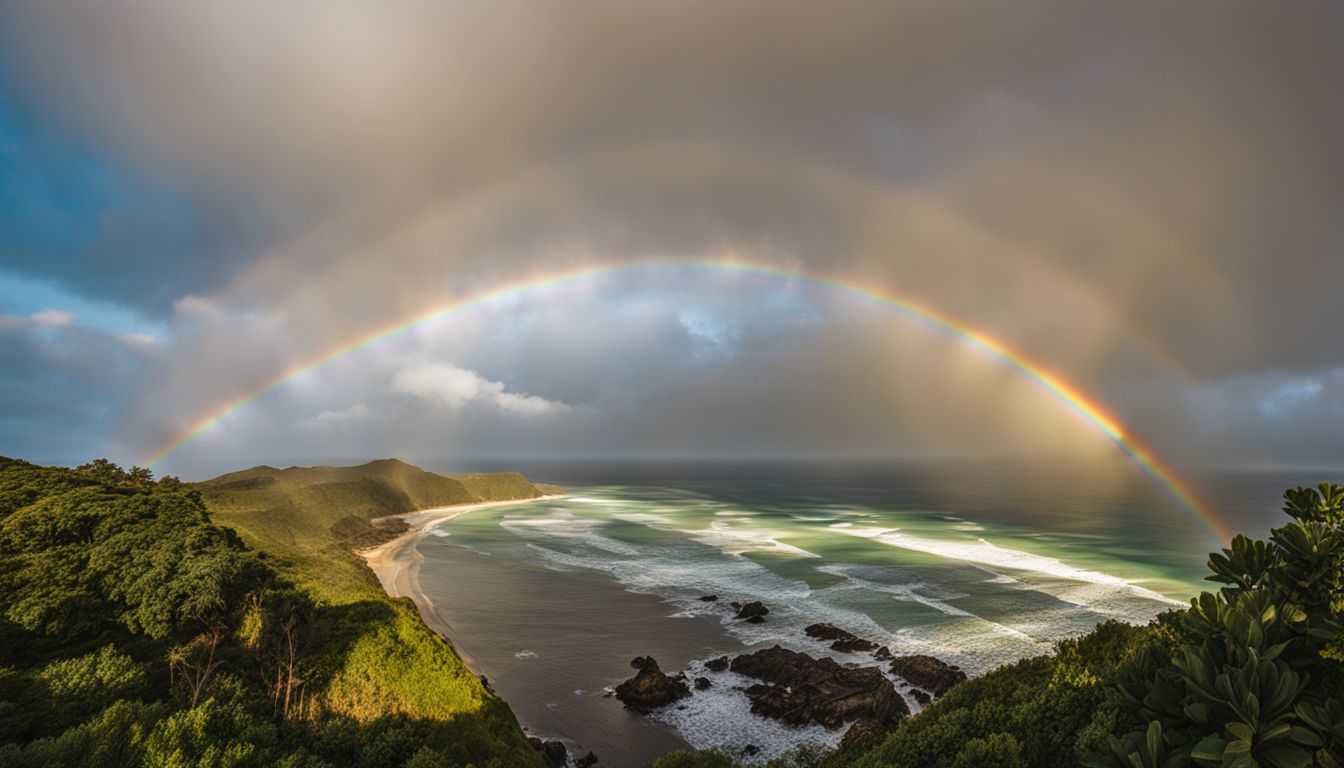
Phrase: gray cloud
{"type": "Point", "coordinates": [1145, 199]}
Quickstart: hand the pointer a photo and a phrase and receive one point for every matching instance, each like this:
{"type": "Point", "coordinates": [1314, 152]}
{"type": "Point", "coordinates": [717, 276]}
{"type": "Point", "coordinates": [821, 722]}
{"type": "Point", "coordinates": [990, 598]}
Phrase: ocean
{"type": "Point", "coordinates": [976, 563]}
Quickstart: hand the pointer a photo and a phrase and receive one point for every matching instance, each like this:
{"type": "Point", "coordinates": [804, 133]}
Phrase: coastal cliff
{"type": "Point", "coordinates": [228, 622]}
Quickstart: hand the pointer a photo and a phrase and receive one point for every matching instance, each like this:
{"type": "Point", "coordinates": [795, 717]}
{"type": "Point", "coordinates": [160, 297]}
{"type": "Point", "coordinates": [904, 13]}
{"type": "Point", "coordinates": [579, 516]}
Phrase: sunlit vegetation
{"type": "Point", "coordinates": [230, 623]}
{"type": "Point", "coordinates": [310, 519]}
{"type": "Point", "coordinates": [140, 629]}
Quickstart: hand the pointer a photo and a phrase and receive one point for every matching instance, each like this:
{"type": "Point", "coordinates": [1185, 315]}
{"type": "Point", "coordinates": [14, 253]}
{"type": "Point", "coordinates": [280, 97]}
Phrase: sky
{"type": "Point", "coordinates": [1142, 199]}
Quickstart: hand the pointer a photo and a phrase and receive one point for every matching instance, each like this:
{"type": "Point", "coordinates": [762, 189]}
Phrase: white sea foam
{"type": "Point", "coordinates": [983, 552]}
{"type": "Point", "coordinates": [979, 639]}
{"type": "Point", "coordinates": [720, 718]}
{"type": "Point", "coordinates": [924, 594]}
{"type": "Point", "coordinates": [525, 655]}
{"type": "Point", "coordinates": [645, 518]}
{"type": "Point", "coordinates": [737, 540]}
{"type": "Point", "coordinates": [1028, 601]}
{"type": "Point", "coordinates": [679, 574]}
{"type": "Point", "coordinates": [997, 578]}
{"type": "Point", "coordinates": [565, 526]}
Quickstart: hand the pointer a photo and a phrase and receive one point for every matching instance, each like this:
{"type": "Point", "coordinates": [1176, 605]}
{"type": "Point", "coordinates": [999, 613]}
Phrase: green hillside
{"type": "Point", "coordinates": [140, 629]}
{"type": "Point", "coordinates": [311, 518]}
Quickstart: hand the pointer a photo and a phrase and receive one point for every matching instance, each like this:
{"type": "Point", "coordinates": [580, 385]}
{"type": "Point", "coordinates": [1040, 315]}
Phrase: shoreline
{"type": "Point", "coordinates": [396, 563]}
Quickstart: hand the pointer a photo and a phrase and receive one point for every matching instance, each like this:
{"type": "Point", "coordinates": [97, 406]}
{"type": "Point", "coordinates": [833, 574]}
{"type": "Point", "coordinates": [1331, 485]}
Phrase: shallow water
{"type": "Point", "coordinates": [980, 566]}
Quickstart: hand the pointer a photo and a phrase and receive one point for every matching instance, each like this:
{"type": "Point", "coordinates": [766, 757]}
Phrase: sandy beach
{"type": "Point", "coordinates": [395, 562]}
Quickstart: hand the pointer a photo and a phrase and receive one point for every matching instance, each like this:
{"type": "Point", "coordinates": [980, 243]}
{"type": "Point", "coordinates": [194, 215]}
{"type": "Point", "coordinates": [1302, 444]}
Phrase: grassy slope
{"type": "Point", "coordinates": [375, 656]}
{"type": "Point", "coordinates": [289, 513]}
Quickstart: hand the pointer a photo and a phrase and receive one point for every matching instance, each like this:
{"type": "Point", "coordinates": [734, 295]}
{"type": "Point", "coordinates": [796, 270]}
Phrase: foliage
{"type": "Point", "coordinates": [136, 631]}
{"type": "Point", "coordinates": [1253, 676]}
{"type": "Point", "coordinates": [688, 759]}
{"type": "Point", "coordinates": [310, 518]}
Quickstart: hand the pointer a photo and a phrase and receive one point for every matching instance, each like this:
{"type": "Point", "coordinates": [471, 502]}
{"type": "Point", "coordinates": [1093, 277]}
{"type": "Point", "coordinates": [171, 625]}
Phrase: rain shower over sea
{"type": "Point", "coordinates": [978, 564]}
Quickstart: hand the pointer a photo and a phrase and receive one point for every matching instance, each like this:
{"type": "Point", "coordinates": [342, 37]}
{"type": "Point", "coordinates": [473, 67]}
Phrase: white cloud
{"type": "Point", "coordinates": [456, 388]}
{"type": "Point", "coordinates": [53, 318]}
{"type": "Point", "coordinates": [145, 341]}
{"type": "Point", "coordinates": [329, 419]}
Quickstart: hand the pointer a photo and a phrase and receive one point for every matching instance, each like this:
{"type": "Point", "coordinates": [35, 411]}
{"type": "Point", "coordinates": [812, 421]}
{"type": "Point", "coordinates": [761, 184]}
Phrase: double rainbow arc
{"type": "Point", "coordinates": [1068, 394]}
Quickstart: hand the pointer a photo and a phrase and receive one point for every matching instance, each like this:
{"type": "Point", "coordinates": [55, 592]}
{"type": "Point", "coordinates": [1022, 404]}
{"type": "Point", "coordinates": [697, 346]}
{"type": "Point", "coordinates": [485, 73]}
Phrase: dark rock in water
{"type": "Point", "coordinates": [923, 698]}
{"type": "Point", "coordinates": [735, 604]}
{"type": "Point", "coordinates": [753, 610]}
{"type": "Point", "coordinates": [927, 672]}
{"type": "Point", "coordinates": [756, 620]}
{"type": "Point", "coordinates": [844, 641]}
{"type": "Point", "coordinates": [485, 683]}
{"type": "Point", "coordinates": [824, 631]}
{"type": "Point", "coordinates": [553, 751]}
{"type": "Point", "coordinates": [883, 654]}
{"type": "Point", "coordinates": [802, 690]}
{"type": "Point", "coordinates": [708, 598]}
{"type": "Point", "coordinates": [587, 761]}
{"type": "Point", "coordinates": [750, 749]}
{"type": "Point", "coordinates": [853, 645]}
{"type": "Point", "coordinates": [651, 689]}
{"type": "Point", "coordinates": [717, 665]}
{"type": "Point", "coordinates": [702, 683]}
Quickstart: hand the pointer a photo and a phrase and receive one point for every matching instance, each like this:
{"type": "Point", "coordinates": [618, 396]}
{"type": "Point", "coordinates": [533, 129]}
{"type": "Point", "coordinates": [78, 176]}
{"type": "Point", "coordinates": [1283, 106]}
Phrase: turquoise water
{"type": "Point", "coordinates": [979, 565]}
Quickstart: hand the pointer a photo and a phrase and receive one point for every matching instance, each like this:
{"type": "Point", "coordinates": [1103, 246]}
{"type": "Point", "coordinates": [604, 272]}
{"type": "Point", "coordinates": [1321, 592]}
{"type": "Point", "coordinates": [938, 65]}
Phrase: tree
{"type": "Point", "coordinates": [276, 626]}
{"type": "Point", "coordinates": [1249, 675]}
{"type": "Point", "coordinates": [195, 661]}
{"type": "Point", "coordinates": [211, 735]}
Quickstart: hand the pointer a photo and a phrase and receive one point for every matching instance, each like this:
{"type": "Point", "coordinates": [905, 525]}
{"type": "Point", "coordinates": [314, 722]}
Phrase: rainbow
{"type": "Point", "coordinates": [1077, 401]}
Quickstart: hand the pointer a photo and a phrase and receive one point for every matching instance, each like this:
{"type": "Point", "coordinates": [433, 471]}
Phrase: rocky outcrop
{"type": "Point", "coordinates": [702, 684]}
{"type": "Point", "coordinates": [824, 631]}
{"type": "Point", "coordinates": [927, 672]}
{"type": "Point", "coordinates": [854, 645]}
{"type": "Point", "coordinates": [799, 689]}
{"type": "Point", "coordinates": [651, 689]}
{"type": "Point", "coordinates": [553, 752]}
{"type": "Point", "coordinates": [708, 598]}
{"type": "Point", "coordinates": [923, 698]}
{"type": "Point", "coordinates": [717, 665]}
{"type": "Point", "coordinates": [753, 612]}
{"type": "Point", "coordinates": [863, 735]}
{"type": "Point", "coordinates": [587, 761]}
{"type": "Point", "coordinates": [843, 641]}
{"type": "Point", "coordinates": [883, 654]}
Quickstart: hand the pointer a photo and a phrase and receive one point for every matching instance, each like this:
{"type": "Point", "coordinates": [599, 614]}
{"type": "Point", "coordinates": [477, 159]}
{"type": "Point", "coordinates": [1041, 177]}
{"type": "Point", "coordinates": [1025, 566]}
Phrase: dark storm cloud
{"type": "Point", "coordinates": [75, 215]}
{"type": "Point", "coordinates": [1143, 197]}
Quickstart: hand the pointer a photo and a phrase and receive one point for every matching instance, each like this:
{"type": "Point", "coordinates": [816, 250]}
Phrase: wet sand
{"type": "Point", "coordinates": [397, 562]}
